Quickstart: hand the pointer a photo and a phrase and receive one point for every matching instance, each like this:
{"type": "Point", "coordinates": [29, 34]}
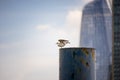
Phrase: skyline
{"type": "Point", "coordinates": [29, 30]}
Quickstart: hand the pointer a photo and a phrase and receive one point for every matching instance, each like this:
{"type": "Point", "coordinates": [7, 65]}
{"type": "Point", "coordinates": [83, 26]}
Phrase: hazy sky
{"type": "Point", "coordinates": [29, 30]}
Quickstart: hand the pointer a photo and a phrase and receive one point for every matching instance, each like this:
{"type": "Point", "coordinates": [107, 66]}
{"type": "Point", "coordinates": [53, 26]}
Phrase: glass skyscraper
{"type": "Point", "coordinates": [116, 40]}
{"type": "Point", "coordinates": [96, 32]}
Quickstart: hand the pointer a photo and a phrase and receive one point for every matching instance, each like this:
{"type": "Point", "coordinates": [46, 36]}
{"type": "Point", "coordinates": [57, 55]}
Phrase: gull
{"type": "Point", "coordinates": [61, 42]}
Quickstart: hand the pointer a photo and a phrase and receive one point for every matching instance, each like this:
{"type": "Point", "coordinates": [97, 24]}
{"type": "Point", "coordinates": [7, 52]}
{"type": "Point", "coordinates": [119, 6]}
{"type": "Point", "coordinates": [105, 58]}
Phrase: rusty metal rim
{"type": "Point", "coordinates": [78, 48]}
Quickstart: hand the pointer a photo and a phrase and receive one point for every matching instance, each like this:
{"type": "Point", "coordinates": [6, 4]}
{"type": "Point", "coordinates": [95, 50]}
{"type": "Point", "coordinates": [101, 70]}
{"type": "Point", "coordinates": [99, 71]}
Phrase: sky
{"type": "Point", "coordinates": [29, 30]}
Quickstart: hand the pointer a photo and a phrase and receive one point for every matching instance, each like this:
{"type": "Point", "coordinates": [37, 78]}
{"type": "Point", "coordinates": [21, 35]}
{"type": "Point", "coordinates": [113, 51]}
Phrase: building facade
{"type": "Point", "coordinates": [96, 32]}
{"type": "Point", "coordinates": [77, 64]}
{"type": "Point", "coordinates": [116, 40]}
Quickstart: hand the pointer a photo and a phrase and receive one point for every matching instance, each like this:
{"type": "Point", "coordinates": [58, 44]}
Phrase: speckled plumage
{"type": "Point", "coordinates": [61, 42]}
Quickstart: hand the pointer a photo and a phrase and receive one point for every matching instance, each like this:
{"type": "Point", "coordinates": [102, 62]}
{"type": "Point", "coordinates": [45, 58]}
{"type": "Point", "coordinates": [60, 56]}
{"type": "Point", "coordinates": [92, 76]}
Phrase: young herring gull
{"type": "Point", "coordinates": [61, 42]}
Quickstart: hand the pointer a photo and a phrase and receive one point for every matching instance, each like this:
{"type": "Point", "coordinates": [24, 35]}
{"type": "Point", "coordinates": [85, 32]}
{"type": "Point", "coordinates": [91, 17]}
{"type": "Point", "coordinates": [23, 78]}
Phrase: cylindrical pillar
{"type": "Point", "coordinates": [77, 64]}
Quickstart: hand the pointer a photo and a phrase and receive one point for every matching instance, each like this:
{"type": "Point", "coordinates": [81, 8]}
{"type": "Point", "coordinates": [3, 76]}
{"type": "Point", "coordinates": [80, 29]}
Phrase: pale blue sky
{"type": "Point", "coordinates": [29, 30]}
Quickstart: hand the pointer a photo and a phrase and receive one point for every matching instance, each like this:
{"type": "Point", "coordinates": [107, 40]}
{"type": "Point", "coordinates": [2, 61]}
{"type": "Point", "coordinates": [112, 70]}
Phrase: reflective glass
{"type": "Point", "coordinates": [96, 32]}
{"type": "Point", "coordinates": [116, 41]}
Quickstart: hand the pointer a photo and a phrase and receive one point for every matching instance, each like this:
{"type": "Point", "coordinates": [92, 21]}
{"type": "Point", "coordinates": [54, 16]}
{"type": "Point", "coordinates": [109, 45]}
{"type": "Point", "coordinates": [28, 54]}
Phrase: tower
{"type": "Point", "coordinates": [96, 32]}
{"type": "Point", "coordinates": [116, 40]}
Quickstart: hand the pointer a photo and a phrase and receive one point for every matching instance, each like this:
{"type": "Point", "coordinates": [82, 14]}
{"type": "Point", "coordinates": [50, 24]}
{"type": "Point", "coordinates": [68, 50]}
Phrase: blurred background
{"type": "Point", "coordinates": [29, 30]}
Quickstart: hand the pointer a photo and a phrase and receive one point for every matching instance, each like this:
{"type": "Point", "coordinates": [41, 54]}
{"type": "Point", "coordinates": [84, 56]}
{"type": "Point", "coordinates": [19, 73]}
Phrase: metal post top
{"type": "Point", "coordinates": [77, 48]}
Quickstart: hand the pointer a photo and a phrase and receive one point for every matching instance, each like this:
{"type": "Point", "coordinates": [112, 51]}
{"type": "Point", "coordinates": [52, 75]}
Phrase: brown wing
{"type": "Point", "coordinates": [62, 40]}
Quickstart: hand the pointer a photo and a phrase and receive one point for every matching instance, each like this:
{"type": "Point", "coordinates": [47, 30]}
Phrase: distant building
{"type": "Point", "coordinates": [109, 4]}
{"type": "Point", "coordinates": [77, 64]}
{"type": "Point", "coordinates": [116, 40]}
{"type": "Point", "coordinates": [96, 32]}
